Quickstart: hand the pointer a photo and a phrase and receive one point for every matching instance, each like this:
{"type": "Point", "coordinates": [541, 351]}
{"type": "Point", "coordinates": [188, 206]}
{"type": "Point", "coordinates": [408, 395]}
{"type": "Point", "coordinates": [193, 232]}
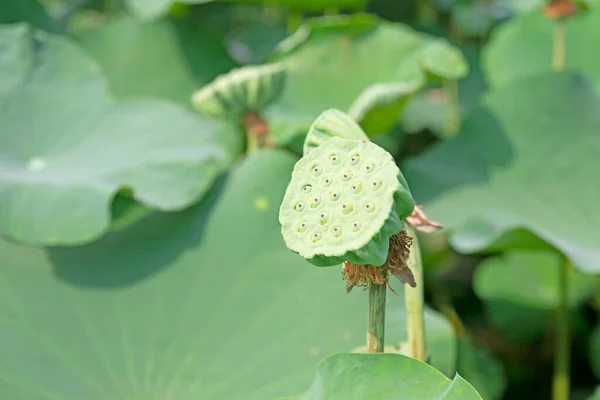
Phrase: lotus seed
{"type": "Point", "coordinates": [300, 206]}
{"type": "Point", "coordinates": [306, 188]}
{"type": "Point", "coordinates": [357, 188]}
{"type": "Point", "coordinates": [369, 207]}
{"type": "Point", "coordinates": [347, 208]}
{"type": "Point", "coordinates": [355, 226]}
{"type": "Point", "coordinates": [317, 170]}
{"type": "Point", "coordinates": [316, 236]}
{"type": "Point", "coordinates": [355, 159]}
{"type": "Point", "coordinates": [346, 176]}
{"type": "Point", "coordinates": [337, 231]}
{"type": "Point", "coordinates": [302, 226]}
{"type": "Point", "coordinates": [323, 218]}
{"type": "Point", "coordinates": [376, 184]}
{"type": "Point", "coordinates": [369, 167]}
{"type": "Point", "coordinates": [335, 159]}
{"type": "Point", "coordinates": [334, 195]}
{"type": "Point", "coordinates": [315, 202]}
{"type": "Point", "coordinates": [327, 181]}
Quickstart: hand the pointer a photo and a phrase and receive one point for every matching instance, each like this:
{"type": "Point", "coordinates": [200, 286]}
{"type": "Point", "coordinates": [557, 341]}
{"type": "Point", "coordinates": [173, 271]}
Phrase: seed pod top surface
{"type": "Point", "coordinates": [250, 88]}
{"type": "Point", "coordinates": [342, 203]}
{"type": "Point", "coordinates": [332, 123]}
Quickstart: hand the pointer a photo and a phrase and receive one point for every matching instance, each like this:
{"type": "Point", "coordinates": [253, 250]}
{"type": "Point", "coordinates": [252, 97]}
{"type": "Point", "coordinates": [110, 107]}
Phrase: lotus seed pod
{"type": "Point", "coordinates": [344, 202]}
{"type": "Point", "coordinates": [241, 90]}
{"type": "Point", "coordinates": [329, 124]}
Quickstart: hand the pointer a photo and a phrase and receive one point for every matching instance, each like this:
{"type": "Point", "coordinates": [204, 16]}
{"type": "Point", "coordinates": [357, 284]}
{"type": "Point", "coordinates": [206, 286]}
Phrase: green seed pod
{"type": "Point", "coordinates": [329, 124]}
{"type": "Point", "coordinates": [344, 202]}
{"type": "Point", "coordinates": [241, 90]}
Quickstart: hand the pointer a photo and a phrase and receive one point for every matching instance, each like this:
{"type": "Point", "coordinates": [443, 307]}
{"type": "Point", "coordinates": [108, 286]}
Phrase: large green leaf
{"type": "Point", "coordinates": [66, 147]}
{"type": "Point", "coordinates": [526, 158]}
{"type": "Point", "coordinates": [160, 59]}
{"type": "Point", "coordinates": [522, 48]}
{"type": "Point", "coordinates": [334, 61]}
{"type": "Point", "coordinates": [521, 290]}
{"type": "Point", "coordinates": [205, 303]}
{"type": "Point", "coordinates": [32, 11]}
{"type": "Point", "coordinates": [384, 377]}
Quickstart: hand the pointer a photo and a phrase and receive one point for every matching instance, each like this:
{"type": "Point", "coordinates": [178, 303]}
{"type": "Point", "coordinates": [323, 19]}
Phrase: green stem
{"type": "Point", "coordinates": [414, 300]}
{"type": "Point", "coordinates": [559, 46]}
{"type": "Point", "coordinates": [376, 328]}
{"type": "Point", "coordinates": [560, 384]}
{"type": "Point", "coordinates": [453, 108]}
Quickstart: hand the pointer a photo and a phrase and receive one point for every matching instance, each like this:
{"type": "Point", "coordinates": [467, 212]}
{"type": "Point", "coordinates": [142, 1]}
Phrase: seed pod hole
{"type": "Point", "coordinates": [306, 189]}
{"type": "Point", "coordinates": [335, 159]}
{"type": "Point", "coordinates": [346, 176]}
{"type": "Point", "coordinates": [316, 201]}
{"type": "Point", "coordinates": [327, 181]}
{"type": "Point", "coordinates": [357, 187]}
{"type": "Point", "coordinates": [369, 207]}
{"type": "Point", "coordinates": [302, 226]}
{"type": "Point", "coordinates": [376, 184]}
{"type": "Point", "coordinates": [316, 170]}
{"type": "Point", "coordinates": [323, 218]}
{"type": "Point", "coordinates": [355, 159]}
{"type": "Point", "coordinates": [347, 208]}
{"type": "Point", "coordinates": [300, 206]}
{"type": "Point", "coordinates": [334, 195]}
{"type": "Point", "coordinates": [355, 226]}
{"type": "Point", "coordinates": [316, 236]}
{"type": "Point", "coordinates": [369, 167]}
{"type": "Point", "coordinates": [336, 231]}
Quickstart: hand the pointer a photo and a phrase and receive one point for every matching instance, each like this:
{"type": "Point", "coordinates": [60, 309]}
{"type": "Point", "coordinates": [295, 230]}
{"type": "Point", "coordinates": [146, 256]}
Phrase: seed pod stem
{"type": "Point", "coordinates": [559, 45]}
{"type": "Point", "coordinates": [560, 382]}
{"type": "Point", "coordinates": [414, 300]}
{"type": "Point", "coordinates": [376, 327]}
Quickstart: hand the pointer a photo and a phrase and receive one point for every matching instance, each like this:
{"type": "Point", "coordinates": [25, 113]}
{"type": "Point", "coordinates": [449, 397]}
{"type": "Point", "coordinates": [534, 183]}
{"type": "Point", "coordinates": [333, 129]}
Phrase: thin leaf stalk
{"type": "Point", "coordinates": [452, 123]}
{"type": "Point", "coordinates": [559, 45]}
{"type": "Point", "coordinates": [376, 327]}
{"type": "Point", "coordinates": [561, 380]}
{"type": "Point", "coordinates": [414, 300]}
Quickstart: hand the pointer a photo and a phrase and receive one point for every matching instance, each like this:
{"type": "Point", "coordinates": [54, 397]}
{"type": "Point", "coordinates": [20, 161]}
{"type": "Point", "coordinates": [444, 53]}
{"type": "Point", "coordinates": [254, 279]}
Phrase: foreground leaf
{"type": "Point", "coordinates": [522, 48]}
{"type": "Point", "coordinates": [206, 303]}
{"type": "Point", "coordinates": [481, 369]}
{"type": "Point", "coordinates": [520, 290]}
{"type": "Point", "coordinates": [166, 59]}
{"type": "Point", "coordinates": [384, 377]}
{"type": "Point", "coordinates": [526, 158]}
{"type": "Point", "coordinates": [338, 62]}
{"type": "Point", "coordinates": [66, 147]}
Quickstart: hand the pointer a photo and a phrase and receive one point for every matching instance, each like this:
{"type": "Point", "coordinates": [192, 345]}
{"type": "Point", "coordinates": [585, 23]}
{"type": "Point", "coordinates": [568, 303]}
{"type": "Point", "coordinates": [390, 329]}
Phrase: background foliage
{"type": "Point", "coordinates": [140, 251]}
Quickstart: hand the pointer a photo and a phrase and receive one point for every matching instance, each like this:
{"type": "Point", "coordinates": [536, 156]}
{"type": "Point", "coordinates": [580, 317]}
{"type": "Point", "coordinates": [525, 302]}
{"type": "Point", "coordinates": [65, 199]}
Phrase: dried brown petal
{"type": "Point", "coordinates": [420, 222]}
{"type": "Point", "coordinates": [560, 9]}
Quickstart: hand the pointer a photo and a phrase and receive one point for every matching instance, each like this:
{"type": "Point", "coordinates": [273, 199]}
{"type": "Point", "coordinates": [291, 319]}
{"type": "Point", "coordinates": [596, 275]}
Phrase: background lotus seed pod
{"type": "Point", "coordinates": [343, 203]}
{"type": "Point", "coordinates": [329, 124]}
{"type": "Point", "coordinates": [249, 88]}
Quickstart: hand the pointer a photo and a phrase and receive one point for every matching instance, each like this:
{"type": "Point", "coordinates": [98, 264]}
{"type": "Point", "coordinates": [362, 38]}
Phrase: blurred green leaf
{"type": "Point", "coordinates": [159, 59]}
{"type": "Point", "coordinates": [481, 369]}
{"type": "Point", "coordinates": [70, 147]}
{"type": "Point", "coordinates": [206, 303]}
{"type": "Point", "coordinates": [525, 158]}
{"type": "Point", "coordinates": [522, 48]}
{"type": "Point", "coordinates": [333, 60]}
{"type": "Point", "coordinates": [472, 18]}
{"type": "Point", "coordinates": [520, 290]}
{"type": "Point", "coordinates": [31, 11]}
{"type": "Point", "coordinates": [595, 395]}
{"type": "Point", "coordinates": [152, 9]}
{"type": "Point", "coordinates": [384, 377]}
